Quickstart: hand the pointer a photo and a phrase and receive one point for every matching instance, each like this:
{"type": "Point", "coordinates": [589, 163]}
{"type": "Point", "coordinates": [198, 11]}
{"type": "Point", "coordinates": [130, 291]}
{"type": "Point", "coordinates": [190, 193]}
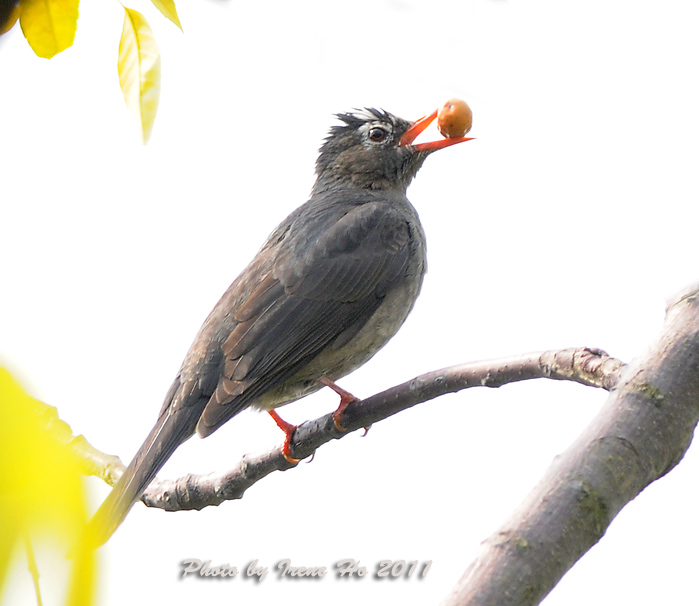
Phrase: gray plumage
{"type": "Point", "coordinates": [331, 285]}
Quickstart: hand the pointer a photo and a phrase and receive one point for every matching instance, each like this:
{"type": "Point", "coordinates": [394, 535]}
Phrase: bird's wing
{"type": "Point", "coordinates": [317, 294]}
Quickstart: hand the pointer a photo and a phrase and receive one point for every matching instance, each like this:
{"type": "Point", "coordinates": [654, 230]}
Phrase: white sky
{"type": "Point", "coordinates": [570, 221]}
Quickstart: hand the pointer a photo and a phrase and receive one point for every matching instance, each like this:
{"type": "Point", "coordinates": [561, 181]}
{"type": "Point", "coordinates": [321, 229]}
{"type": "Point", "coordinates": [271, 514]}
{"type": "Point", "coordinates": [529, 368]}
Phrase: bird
{"type": "Point", "coordinates": [330, 286]}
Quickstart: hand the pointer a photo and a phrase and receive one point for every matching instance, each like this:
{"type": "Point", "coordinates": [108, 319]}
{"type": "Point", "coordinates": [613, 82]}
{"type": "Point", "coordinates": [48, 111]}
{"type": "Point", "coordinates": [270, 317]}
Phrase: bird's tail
{"type": "Point", "coordinates": [169, 432]}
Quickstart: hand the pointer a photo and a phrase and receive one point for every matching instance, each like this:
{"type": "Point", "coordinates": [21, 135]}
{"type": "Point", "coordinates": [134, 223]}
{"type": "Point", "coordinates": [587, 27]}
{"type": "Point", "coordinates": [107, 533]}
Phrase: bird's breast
{"type": "Point", "coordinates": [335, 362]}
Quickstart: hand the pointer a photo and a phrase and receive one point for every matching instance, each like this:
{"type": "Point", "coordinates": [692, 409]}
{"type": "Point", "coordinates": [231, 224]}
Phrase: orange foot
{"type": "Point", "coordinates": [288, 430]}
{"type": "Point", "coordinates": [346, 398]}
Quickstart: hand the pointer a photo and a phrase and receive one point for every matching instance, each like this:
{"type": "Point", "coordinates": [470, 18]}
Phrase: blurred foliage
{"type": "Point", "coordinates": [43, 497]}
{"type": "Point", "coordinates": [9, 13]}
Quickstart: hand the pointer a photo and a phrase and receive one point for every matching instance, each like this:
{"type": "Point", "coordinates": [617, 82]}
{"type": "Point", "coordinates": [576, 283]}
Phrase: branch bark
{"type": "Point", "coordinates": [641, 433]}
{"type": "Point", "coordinates": [591, 367]}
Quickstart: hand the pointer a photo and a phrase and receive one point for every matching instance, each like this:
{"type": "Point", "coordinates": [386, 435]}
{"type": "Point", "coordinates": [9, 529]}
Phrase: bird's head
{"type": "Point", "coordinates": [373, 149]}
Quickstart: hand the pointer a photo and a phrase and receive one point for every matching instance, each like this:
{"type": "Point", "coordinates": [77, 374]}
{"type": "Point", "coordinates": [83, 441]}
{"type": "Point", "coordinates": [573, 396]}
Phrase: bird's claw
{"type": "Point", "coordinates": [346, 398]}
{"type": "Point", "coordinates": [287, 456]}
{"type": "Point", "coordinates": [288, 430]}
{"type": "Point", "coordinates": [336, 420]}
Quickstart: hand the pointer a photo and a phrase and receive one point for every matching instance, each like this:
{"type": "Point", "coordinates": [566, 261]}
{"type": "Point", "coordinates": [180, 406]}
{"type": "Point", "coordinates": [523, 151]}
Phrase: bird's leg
{"type": "Point", "coordinates": [288, 430]}
{"type": "Point", "coordinates": [346, 398]}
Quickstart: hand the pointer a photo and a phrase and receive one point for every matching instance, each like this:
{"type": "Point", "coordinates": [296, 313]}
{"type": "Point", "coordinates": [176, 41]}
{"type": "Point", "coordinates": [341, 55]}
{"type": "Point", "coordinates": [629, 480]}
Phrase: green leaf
{"type": "Point", "coordinates": [167, 7]}
{"type": "Point", "coordinates": [49, 25]}
{"type": "Point", "coordinates": [139, 70]}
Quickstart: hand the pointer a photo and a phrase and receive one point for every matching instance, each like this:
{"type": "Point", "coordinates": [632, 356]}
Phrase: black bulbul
{"type": "Point", "coordinates": [331, 285]}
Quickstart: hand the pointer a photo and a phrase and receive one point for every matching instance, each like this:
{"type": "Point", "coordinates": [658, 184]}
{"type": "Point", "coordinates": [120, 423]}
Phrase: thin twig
{"type": "Point", "coordinates": [591, 367]}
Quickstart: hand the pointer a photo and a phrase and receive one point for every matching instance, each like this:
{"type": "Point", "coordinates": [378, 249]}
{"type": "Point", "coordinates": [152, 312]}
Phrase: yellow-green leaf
{"type": "Point", "coordinates": [43, 494]}
{"type": "Point", "coordinates": [139, 70]}
{"type": "Point", "coordinates": [49, 25]}
{"type": "Point", "coordinates": [167, 7]}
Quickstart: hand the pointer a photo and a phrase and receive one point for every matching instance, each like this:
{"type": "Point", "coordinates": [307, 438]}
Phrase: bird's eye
{"type": "Point", "coordinates": [377, 134]}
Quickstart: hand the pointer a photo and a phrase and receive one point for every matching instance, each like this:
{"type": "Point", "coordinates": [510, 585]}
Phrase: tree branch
{"type": "Point", "coordinates": [641, 433]}
{"type": "Point", "coordinates": [591, 367]}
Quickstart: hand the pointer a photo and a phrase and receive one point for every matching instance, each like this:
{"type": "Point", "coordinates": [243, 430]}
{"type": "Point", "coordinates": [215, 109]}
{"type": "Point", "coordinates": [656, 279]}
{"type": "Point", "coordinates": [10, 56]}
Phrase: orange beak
{"type": "Point", "coordinates": [414, 131]}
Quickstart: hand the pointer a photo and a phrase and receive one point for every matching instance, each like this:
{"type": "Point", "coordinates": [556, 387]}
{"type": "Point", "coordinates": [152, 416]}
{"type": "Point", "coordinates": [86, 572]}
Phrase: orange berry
{"type": "Point", "coordinates": [454, 119]}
